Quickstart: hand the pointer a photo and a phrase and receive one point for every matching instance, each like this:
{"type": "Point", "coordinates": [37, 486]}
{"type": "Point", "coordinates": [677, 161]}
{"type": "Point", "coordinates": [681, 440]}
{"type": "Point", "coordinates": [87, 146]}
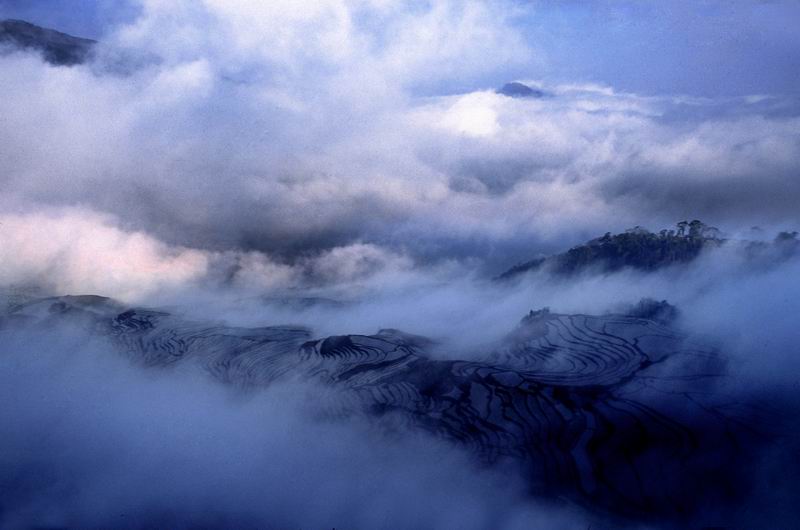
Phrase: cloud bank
{"type": "Point", "coordinates": [244, 126]}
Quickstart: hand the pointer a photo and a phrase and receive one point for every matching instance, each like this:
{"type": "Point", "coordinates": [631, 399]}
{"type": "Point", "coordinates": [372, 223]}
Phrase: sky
{"type": "Point", "coordinates": [708, 48]}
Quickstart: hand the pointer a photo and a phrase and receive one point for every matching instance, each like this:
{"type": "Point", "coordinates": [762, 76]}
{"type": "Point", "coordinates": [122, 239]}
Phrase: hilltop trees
{"type": "Point", "coordinates": [636, 248]}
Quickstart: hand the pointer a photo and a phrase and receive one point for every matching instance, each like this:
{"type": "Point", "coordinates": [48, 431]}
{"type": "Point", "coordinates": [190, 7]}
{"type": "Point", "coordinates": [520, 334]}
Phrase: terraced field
{"type": "Point", "coordinates": [614, 412]}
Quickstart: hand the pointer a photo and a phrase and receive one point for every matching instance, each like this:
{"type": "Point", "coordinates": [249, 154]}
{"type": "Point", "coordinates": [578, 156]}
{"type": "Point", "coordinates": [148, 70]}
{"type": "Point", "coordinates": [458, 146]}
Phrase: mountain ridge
{"type": "Point", "coordinates": [55, 47]}
{"type": "Point", "coordinates": [639, 249]}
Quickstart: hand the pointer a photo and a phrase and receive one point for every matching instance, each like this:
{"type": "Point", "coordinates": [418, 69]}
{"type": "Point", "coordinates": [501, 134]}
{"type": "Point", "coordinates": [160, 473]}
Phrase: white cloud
{"type": "Point", "coordinates": [293, 130]}
{"type": "Point", "coordinates": [79, 252]}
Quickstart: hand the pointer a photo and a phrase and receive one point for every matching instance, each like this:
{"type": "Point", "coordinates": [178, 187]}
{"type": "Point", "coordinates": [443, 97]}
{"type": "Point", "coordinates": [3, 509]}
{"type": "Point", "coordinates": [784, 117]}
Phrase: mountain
{"type": "Point", "coordinates": [640, 249]}
{"type": "Point", "coordinates": [611, 411]}
{"type": "Point", "coordinates": [519, 90]}
{"type": "Point", "coordinates": [636, 248]}
{"type": "Point", "coordinates": [55, 47]}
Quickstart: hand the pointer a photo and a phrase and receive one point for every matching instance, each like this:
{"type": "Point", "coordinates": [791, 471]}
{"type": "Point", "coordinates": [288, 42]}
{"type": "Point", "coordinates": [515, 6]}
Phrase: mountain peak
{"type": "Point", "coordinates": [55, 47]}
{"type": "Point", "coordinates": [516, 89]}
{"type": "Point", "coordinates": [636, 248]}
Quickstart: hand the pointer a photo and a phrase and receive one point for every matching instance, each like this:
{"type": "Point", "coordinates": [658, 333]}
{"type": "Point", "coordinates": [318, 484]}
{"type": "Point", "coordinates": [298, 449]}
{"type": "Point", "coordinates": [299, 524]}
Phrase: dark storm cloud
{"type": "Point", "coordinates": [741, 197]}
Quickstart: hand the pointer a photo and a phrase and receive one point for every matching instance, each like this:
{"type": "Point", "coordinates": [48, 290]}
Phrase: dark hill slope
{"type": "Point", "coordinates": [612, 411]}
{"type": "Point", "coordinates": [55, 47]}
{"type": "Point", "coordinates": [519, 90]}
{"type": "Point", "coordinates": [636, 248]}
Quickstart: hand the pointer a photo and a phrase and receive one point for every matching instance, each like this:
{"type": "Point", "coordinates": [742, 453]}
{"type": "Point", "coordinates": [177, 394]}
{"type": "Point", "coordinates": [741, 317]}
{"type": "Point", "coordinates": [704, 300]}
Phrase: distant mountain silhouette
{"type": "Point", "coordinates": [519, 90]}
{"type": "Point", "coordinates": [55, 47]}
{"type": "Point", "coordinates": [636, 248]}
{"type": "Point", "coordinates": [640, 249]}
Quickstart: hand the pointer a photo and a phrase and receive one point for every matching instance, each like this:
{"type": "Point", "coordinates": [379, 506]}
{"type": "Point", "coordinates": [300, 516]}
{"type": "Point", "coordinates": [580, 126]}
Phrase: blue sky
{"type": "Point", "coordinates": [707, 48]}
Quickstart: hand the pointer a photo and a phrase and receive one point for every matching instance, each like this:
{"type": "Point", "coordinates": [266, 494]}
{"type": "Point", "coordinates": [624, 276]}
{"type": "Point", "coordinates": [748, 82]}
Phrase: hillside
{"type": "Point", "coordinates": [636, 248]}
{"type": "Point", "coordinates": [563, 396]}
{"type": "Point", "coordinates": [55, 47]}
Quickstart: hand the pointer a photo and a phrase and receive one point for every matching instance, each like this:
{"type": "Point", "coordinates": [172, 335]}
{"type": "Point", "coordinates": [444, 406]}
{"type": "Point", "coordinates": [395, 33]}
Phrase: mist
{"type": "Point", "coordinates": [347, 167]}
{"type": "Point", "coordinates": [97, 442]}
{"type": "Point", "coordinates": [100, 441]}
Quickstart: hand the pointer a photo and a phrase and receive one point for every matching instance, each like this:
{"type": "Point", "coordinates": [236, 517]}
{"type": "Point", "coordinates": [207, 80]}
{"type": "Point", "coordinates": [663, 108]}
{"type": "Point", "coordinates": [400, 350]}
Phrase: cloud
{"type": "Point", "coordinates": [277, 161]}
{"type": "Point", "coordinates": [225, 157]}
{"type": "Point", "coordinates": [247, 126]}
{"type": "Point", "coordinates": [78, 252]}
